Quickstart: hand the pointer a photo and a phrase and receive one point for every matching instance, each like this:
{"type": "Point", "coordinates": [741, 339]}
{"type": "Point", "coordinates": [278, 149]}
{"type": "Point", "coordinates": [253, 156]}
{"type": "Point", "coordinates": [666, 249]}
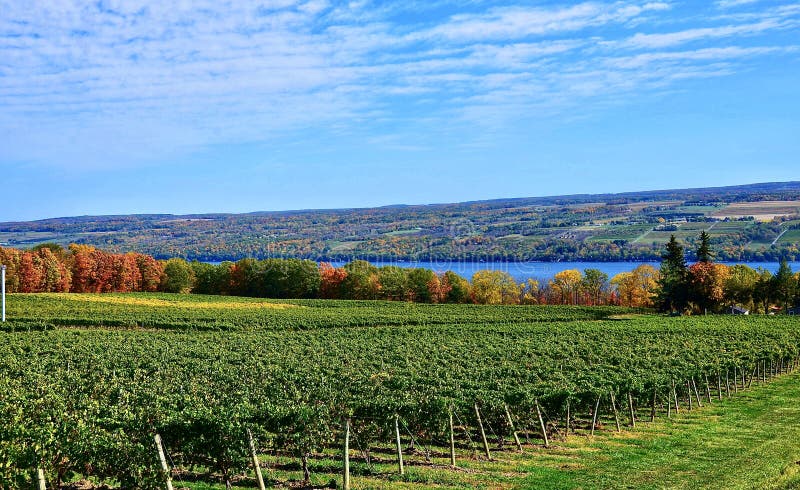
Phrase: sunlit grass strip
{"type": "Point", "coordinates": [118, 299]}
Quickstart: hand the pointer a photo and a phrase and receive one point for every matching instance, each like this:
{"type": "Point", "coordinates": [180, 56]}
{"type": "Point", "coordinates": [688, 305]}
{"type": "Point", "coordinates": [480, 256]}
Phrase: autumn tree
{"type": "Point", "coordinates": [83, 268]}
{"type": "Point", "coordinates": [595, 286]}
{"type": "Point", "coordinates": [707, 285]}
{"type": "Point", "coordinates": [331, 281]}
{"type": "Point", "coordinates": [150, 272]}
{"type": "Point", "coordinates": [56, 277]}
{"type": "Point", "coordinates": [439, 288]}
{"type": "Point", "coordinates": [494, 288]}
{"type": "Point", "coordinates": [566, 285]}
{"type": "Point", "coordinates": [30, 273]}
{"type": "Point", "coordinates": [529, 292]}
{"type": "Point", "coordinates": [10, 257]}
{"type": "Point", "coordinates": [638, 287]}
{"type": "Point", "coordinates": [460, 288]}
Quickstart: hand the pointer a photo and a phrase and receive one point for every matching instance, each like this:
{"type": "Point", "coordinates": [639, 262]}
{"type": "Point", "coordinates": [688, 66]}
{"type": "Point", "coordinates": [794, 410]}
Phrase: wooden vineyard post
{"type": "Point", "coordinates": [630, 409]}
{"type": "Point", "coordinates": [567, 424]}
{"type": "Point", "coordinates": [616, 412]}
{"type": "Point", "coordinates": [452, 442]}
{"type": "Point", "coordinates": [483, 433]}
{"type": "Point", "coordinates": [254, 457]}
{"type": "Point", "coordinates": [758, 372]}
{"type": "Point", "coordinates": [727, 384]}
{"type": "Point", "coordinates": [675, 397]}
{"type": "Point", "coordinates": [513, 429]}
{"type": "Point", "coordinates": [669, 407]}
{"type": "Point", "coordinates": [40, 479]}
{"type": "Point", "coordinates": [541, 424]}
{"type": "Point", "coordinates": [163, 460]}
{"type": "Point", "coordinates": [653, 406]}
{"type": "Point", "coordinates": [346, 476]}
{"type": "Point", "coordinates": [735, 381]}
{"type": "Point", "coordinates": [689, 394]}
{"type": "Point", "coordinates": [594, 415]}
{"type": "Point", "coordinates": [696, 393]}
{"type": "Point", "coordinates": [708, 388]}
{"type": "Point", "coordinates": [719, 386]}
{"type": "Point", "coordinates": [400, 447]}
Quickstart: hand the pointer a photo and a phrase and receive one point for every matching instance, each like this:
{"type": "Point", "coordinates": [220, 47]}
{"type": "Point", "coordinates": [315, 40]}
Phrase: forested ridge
{"type": "Point", "coordinates": [746, 223]}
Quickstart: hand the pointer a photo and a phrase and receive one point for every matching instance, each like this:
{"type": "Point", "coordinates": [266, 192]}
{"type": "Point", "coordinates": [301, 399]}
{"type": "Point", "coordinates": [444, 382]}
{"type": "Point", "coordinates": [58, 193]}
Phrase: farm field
{"type": "Point", "coordinates": [763, 210]}
{"type": "Point", "coordinates": [87, 380]}
{"type": "Point", "coordinates": [596, 228]}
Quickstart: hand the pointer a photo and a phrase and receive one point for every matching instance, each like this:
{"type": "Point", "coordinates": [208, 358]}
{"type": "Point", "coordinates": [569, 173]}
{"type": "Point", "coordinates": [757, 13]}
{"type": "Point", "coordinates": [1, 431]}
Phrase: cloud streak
{"type": "Point", "coordinates": [129, 81]}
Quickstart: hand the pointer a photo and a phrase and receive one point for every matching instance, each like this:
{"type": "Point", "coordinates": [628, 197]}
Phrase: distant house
{"type": "Point", "coordinates": [738, 310]}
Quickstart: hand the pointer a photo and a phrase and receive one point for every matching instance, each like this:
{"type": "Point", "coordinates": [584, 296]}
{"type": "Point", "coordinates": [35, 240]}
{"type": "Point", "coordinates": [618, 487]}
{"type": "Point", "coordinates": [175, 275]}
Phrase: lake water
{"type": "Point", "coordinates": [546, 270]}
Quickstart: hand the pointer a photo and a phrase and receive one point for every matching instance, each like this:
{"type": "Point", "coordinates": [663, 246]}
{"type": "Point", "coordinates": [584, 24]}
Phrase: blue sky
{"type": "Point", "coordinates": [133, 106]}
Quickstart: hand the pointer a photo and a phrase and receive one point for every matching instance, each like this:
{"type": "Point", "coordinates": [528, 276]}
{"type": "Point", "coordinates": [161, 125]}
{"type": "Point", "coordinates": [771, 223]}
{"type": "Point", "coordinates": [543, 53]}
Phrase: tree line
{"type": "Point", "coordinates": [676, 287]}
{"type": "Point", "coordinates": [706, 286]}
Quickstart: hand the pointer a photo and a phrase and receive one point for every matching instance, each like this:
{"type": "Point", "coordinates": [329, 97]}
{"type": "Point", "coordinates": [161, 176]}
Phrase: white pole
{"type": "Point", "coordinates": [3, 268]}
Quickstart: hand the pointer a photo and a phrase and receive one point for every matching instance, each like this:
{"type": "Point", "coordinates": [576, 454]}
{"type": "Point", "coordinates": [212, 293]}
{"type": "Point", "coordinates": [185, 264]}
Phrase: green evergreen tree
{"type": "Point", "coordinates": [704, 253]}
{"type": "Point", "coordinates": [784, 285]}
{"type": "Point", "coordinates": [672, 292]}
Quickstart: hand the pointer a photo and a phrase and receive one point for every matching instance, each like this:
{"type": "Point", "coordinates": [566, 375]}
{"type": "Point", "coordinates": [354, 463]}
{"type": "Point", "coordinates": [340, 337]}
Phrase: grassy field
{"type": "Point", "coordinates": [199, 370]}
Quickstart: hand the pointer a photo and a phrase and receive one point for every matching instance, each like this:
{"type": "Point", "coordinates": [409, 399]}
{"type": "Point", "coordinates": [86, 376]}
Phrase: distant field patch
{"type": "Point", "coordinates": [638, 206]}
{"type": "Point", "coordinates": [762, 211]}
{"type": "Point", "coordinates": [337, 246]}
{"type": "Point", "coordinates": [619, 232]}
{"type": "Point", "coordinates": [410, 231]}
{"type": "Point", "coordinates": [791, 236]}
{"type": "Point", "coordinates": [729, 226]}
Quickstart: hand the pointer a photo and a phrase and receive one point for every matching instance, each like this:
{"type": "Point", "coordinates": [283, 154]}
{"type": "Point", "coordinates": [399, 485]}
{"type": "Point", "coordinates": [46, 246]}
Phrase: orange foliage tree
{"type": "Point", "coordinates": [332, 279]}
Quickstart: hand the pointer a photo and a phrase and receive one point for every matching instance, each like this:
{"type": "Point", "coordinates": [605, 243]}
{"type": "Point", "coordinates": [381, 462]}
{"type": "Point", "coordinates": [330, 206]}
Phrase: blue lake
{"type": "Point", "coordinates": [545, 270]}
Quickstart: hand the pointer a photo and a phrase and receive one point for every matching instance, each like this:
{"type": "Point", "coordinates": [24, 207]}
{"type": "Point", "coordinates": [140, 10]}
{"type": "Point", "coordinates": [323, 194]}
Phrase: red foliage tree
{"type": "Point", "coordinates": [83, 268]}
{"type": "Point", "coordinates": [331, 280]}
{"type": "Point", "coordinates": [150, 272]}
{"type": "Point", "coordinates": [30, 273]}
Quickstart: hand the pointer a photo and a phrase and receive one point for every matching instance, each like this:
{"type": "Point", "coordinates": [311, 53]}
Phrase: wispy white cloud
{"type": "Point", "coordinates": [125, 81]}
{"type": "Point", "coordinates": [726, 4]}
{"type": "Point", "coordinates": [670, 39]}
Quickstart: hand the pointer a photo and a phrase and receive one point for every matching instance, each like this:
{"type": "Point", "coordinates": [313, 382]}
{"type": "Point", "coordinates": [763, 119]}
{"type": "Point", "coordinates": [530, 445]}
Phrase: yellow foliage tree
{"type": "Point", "coordinates": [636, 288]}
{"type": "Point", "coordinates": [566, 285]}
{"type": "Point", "coordinates": [494, 288]}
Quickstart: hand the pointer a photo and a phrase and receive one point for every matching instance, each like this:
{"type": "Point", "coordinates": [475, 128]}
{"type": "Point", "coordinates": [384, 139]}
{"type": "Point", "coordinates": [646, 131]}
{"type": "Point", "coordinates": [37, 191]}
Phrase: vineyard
{"type": "Point", "coordinates": [87, 381]}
